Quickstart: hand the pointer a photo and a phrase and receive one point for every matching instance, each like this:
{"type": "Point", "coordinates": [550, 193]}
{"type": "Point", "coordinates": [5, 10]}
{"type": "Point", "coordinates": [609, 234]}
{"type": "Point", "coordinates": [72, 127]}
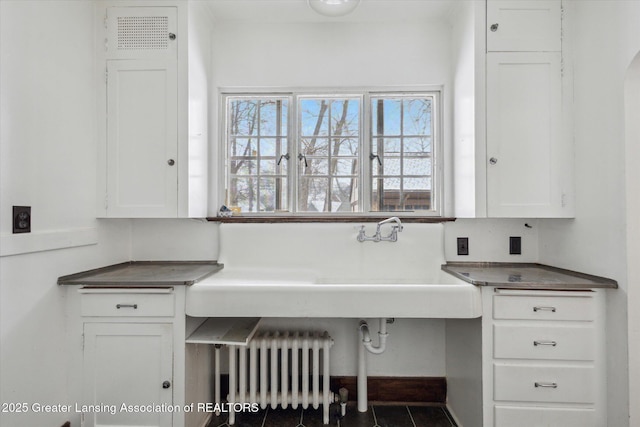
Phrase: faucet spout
{"type": "Point", "coordinates": [393, 236]}
{"type": "Point", "coordinates": [392, 219]}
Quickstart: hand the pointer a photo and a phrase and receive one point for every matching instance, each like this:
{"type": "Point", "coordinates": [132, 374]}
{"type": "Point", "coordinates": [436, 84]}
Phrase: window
{"type": "Point", "coordinates": [332, 154]}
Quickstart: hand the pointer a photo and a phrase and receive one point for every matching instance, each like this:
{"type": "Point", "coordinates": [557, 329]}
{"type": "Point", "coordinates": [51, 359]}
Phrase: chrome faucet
{"type": "Point", "coordinates": [378, 237]}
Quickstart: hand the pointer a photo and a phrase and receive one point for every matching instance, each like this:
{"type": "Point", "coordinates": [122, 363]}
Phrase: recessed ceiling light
{"type": "Point", "coordinates": [333, 7]}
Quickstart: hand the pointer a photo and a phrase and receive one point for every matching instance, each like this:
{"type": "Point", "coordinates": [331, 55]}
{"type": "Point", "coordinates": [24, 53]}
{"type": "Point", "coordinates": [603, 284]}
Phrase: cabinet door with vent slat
{"type": "Point", "coordinates": [141, 32]}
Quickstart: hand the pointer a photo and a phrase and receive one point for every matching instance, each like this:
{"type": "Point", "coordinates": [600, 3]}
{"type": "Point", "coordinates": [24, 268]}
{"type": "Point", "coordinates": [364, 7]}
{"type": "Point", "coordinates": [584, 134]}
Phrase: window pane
{"type": "Point", "coordinates": [268, 147]}
{"type": "Point", "coordinates": [342, 167]}
{"type": "Point", "coordinates": [243, 147]}
{"type": "Point", "coordinates": [390, 166]}
{"type": "Point", "coordinates": [313, 194]}
{"type": "Point", "coordinates": [417, 145]}
{"type": "Point", "coordinates": [392, 146]}
{"type": "Point", "coordinates": [345, 117]}
{"type": "Point", "coordinates": [416, 116]}
{"type": "Point", "coordinates": [272, 116]}
{"type": "Point", "coordinates": [385, 117]}
{"type": "Point", "coordinates": [243, 117]}
{"type": "Point", "coordinates": [314, 117]}
{"type": "Point", "coordinates": [417, 166]}
{"type": "Point", "coordinates": [243, 193]}
{"type": "Point", "coordinates": [267, 167]}
{"type": "Point", "coordinates": [343, 194]}
{"type": "Point", "coordinates": [315, 147]}
{"type": "Point", "coordinates": [386, 195]}
{"type": "Point", "coordinates": [243, 167]}
{"type": "Point", "coordinates": [417, 183]}
{"type": "Point", "coordinates": [315, 167]}
{"type": "Point", "coordinates": [345, 147]}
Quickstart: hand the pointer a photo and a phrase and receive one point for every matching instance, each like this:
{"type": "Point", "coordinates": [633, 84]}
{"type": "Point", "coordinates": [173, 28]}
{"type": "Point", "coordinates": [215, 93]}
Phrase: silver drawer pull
{"type": "Point", "coordinates": [134, 306]}
{"type": "Point", "coordinates": [551, 309]}
{"type": "Point", "coordinates": [546, 385]}
{"type": "Point", "coordinates": [551, 343]}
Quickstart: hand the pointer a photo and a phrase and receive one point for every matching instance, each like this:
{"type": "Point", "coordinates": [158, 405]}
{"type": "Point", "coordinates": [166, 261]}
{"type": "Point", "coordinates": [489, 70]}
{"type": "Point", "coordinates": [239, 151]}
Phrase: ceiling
{"type": "Point", "coordinates": [297, 11]}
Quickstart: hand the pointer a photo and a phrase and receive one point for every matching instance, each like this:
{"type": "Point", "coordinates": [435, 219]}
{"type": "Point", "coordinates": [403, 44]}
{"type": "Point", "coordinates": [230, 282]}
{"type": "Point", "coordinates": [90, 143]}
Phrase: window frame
{"type": "Point", "coordinates": [366, 134]}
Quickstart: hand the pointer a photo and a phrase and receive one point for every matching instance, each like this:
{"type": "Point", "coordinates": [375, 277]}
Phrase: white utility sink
{"type": "Point", "coordinates": [322, 270]}
{"type": "Point", "coordinates": [304, 293]}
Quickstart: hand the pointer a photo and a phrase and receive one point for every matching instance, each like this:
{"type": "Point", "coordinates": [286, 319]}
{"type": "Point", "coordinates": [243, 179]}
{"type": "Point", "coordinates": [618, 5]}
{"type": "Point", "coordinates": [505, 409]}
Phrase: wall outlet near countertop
{"type": "Point", "coordinates": [515, 245]}
{"type": "Point", "coordinates": [463, 246]}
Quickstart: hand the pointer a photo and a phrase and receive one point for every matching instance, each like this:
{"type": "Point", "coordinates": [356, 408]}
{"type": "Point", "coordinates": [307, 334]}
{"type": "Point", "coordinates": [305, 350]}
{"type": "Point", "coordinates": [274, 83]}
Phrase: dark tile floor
{"type": "Point", "coordinates": [376, 416]}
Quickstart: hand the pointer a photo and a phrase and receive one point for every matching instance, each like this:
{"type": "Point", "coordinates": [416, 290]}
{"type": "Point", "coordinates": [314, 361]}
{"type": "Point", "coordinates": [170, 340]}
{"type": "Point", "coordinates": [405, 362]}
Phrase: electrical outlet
{"type": "Point", "coordinates": [22, 219]}
{"type": "Point", "coordinates": [515, 245]}
{"type": "Point", "coordinates": [463, 246]}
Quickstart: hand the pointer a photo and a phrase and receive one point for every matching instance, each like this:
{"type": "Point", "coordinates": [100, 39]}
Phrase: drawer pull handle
{"type": "Point", "coordinates": [546, 385]}
{"type": "Point", "coordinates": [551, 343]}
{"type": "Point", "coordinates": [537, 309]}
{"type": "Point", "coordinates": [134, 306]}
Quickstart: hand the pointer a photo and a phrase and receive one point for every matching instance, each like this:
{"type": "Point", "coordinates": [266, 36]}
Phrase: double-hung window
{"type": "Point", "coordinates": [313, 153]}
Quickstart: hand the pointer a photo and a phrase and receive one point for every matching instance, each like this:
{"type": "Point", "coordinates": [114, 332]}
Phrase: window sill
{"type": "Point", "coordinates": [240, 219]}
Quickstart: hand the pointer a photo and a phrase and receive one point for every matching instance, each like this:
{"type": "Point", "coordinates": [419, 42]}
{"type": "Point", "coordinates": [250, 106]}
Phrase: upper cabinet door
{"type": "Point", "coordinates": [141, 32]}
{"type": "Point", "coordinates": [142, 134]}
{"type": "Point", "coordinates": [524, 26]}
{"type": "Point", "coordinates": [526, 154]}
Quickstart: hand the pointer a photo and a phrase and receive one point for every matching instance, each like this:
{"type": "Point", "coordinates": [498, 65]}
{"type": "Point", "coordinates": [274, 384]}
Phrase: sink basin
{"type": "Point", "coordinates": [304, 293]}
{"type": "Point", "coordinates": [322, 270]}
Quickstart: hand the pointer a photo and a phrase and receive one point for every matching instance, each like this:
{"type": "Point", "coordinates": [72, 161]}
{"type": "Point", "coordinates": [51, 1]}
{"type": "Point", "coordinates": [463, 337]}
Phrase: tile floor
{"type": "Point", "coordinates": [377, 416]}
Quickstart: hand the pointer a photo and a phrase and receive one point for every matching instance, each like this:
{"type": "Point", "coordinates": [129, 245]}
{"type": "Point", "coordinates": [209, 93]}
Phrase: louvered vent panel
{"type": "Point", "coordinates": [143, 33]}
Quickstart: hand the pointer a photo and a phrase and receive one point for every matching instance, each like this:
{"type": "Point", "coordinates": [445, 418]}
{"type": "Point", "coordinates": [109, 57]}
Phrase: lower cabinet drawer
{"type": "Point", "coordinates": [530, 307]}
{"type": "Point", "coordinates": [127, 305]}
{"type": "Point", "coordinates": [510, 416]}
{"type": "Point", "coordinates": [548, 342]}
{"type": "Point", "coordinates": [536, 383]}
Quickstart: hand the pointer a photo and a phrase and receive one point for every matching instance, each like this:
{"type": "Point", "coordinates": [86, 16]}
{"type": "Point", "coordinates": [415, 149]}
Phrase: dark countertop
{"type": "Point", "coordinates": [524, 275]}
{"type": "Point", "coordinates": [144, 273]}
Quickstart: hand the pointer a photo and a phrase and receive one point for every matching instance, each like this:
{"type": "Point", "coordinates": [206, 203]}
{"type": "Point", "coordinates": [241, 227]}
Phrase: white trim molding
{"type": "Point", "coordinates": [18, 244]}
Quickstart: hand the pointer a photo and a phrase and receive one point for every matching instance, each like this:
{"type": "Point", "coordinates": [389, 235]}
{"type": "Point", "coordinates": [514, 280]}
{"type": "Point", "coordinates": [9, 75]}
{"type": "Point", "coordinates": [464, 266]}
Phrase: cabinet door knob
{"type": "Point", "coordinates": [493, 160]}
{"type": "Point", "coordinates": [172, 36]}
{"type": "Point", "coordinates": [166, 384]}
{"type": "Point", "coordinates": [171, 162]}
{"type": "Point", "coordinates": [494, 27]}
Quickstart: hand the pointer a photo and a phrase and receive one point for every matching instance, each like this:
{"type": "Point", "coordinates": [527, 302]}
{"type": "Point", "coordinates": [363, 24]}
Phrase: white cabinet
{"type": "Point", "coordinates": [127, 364]}
{"type": "Point", "coordinates": [522, 141]}
{"type": "Point", "coordinates": [133, 354]}
{"type": "Point", "coordinates": [529, 158]}
{"type": "Point", "coordinates": [146, 151]}
{"type": "Point", "coordinates": [142, 138]}
{"type": "Point", "coordinates": [523, 25]}
{"type": "Point", "coordinates": [543, 358]}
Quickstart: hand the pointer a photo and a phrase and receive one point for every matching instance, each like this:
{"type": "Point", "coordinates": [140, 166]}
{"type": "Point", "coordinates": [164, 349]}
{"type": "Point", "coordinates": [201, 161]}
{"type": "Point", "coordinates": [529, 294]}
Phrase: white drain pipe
{"type": "Point", "coordinates": [365, 337]}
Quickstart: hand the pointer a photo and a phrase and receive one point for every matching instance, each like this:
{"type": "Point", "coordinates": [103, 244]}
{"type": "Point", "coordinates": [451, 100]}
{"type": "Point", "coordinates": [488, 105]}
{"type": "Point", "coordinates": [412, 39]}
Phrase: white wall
{"type": "Point", "coordinates": [595, 241]}
{"type": "Point", "coordinates": [47, 161]}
